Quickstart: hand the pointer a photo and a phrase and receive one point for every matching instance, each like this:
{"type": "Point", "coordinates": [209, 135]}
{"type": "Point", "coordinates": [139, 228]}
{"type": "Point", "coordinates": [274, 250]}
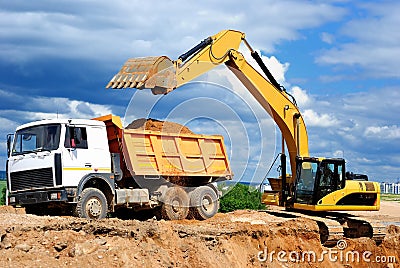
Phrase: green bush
{"type": "Point", "coordinates": [241, 197]}
{"type": "Point", "coordinates": [3, 196]}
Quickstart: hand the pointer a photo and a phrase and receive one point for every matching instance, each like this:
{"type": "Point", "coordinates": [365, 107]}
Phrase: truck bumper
{"type": "Point", "coordinates": [38, 196]}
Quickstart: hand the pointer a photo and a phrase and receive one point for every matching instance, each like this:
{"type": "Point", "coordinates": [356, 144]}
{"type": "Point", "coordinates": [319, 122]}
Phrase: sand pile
{"type": "Point", "coordinates": [226, 240]}
{"type": "Point", "coordinates": [157, 125]}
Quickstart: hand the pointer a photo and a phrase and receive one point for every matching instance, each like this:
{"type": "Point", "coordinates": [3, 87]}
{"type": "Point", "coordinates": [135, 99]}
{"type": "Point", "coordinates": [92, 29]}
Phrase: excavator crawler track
{"type": "Point", "coordinates": [337, 226]}
{"type": "Point", "coordinates": [356, 226]}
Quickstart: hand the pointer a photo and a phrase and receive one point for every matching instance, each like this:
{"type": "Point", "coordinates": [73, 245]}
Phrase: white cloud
{"type": "Point", "coordinates": [302, 98]}
{"type": "Point", "coordinates": [315, 119]}
{"type": "Point", "coordinates": [384, 132]}
{"type": "Point", "coordinates": [89, 31]}
{"type": "Point", "coordinates": [327, 38]}
{"type": "Point", "coordinates": [28, 108]}
{"type": "Point", "coordinates": [373, 41]}
{"type": "Point", "coordinates": [80, 109]}
{"type": "Point", "coordinates": [7, 124]}
{"type": "Point", "coordinates": [375, 107]}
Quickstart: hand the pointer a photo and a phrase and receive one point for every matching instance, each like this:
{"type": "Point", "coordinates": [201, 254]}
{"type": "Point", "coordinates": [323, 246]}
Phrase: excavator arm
{"type": "Point", "coordinates": [163, 75]}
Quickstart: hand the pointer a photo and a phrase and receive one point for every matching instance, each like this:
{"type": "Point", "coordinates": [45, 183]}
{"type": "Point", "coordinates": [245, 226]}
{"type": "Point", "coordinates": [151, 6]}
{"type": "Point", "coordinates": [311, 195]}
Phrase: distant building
{"type": "Point", "coordinates": [390, 188]}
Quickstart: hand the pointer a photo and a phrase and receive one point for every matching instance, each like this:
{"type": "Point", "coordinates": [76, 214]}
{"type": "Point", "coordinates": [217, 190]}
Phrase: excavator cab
{"type": "Point", "coordinates": [317, 179]}
{"type": "Point", "coordinates": [321, 185]}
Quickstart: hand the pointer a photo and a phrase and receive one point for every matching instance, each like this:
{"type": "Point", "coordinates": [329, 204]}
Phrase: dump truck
{"type": "Point", "coordinates": [94, 167]}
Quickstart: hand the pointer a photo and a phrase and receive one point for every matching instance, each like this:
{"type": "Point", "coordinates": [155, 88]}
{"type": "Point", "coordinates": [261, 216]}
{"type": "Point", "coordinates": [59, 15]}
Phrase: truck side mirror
{"type": "Point", "coordinates": [9, 140]}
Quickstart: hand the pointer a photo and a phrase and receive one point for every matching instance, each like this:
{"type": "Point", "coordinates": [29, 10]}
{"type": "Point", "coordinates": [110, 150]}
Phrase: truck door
{"type": "Point", "coordinates": [85, 151]}
{"type": "Point", "coordinates": [76, 155]}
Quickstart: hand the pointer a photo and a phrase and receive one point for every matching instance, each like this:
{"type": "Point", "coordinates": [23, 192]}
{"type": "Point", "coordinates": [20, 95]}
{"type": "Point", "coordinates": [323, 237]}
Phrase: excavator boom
{"type": "Point", "coordinates": [162, 75]}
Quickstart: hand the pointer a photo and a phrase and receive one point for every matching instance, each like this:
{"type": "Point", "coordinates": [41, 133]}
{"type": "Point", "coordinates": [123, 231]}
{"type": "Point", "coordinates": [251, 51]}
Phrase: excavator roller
{"type": "Point", "coordinates": [156, 73]}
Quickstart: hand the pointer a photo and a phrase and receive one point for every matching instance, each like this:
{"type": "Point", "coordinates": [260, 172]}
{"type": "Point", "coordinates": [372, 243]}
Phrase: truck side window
{"type": "Point", "coordinates": [76, 137]}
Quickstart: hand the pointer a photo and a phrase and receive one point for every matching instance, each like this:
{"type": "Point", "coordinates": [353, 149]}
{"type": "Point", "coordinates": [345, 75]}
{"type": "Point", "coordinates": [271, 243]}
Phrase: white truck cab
{"type": "Point", "coordinates": [48, 160]}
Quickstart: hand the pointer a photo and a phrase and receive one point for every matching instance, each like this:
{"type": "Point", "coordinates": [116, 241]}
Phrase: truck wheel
{"type": "Point", "coordinates": [92, 204]}
{"type": "Point", "coordinates": [204, 203]}
{"type": "Point", "coordinates": [176, 204]}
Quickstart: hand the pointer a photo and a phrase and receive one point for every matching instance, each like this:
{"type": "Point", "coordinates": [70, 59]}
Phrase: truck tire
{"type": "Point", "coordinates": [92, 204]}
{"type": "Point", "coordinates": [204, 203]}
{"type": "Point", "coordinates": [175, 204]}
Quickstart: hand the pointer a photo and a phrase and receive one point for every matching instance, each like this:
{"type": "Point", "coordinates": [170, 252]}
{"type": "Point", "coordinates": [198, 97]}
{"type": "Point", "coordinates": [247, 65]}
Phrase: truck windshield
{"type": "Point", "coordinates": [36, 139]}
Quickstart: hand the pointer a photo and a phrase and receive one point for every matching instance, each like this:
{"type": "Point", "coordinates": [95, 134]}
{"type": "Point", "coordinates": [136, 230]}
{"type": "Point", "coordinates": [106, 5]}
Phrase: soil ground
{"type": "Point", "coordinates": [237, 239]}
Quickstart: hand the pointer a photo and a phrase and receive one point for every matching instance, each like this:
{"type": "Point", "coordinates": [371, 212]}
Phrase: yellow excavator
{"type": "Point", "coordinates": [319, 187]}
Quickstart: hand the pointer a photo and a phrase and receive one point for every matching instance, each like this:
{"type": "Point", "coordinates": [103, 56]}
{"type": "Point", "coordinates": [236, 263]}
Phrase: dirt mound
{"type": "Point", "coordinates": [393, 229]}
{"type": "Point", "coordinates": [238, 239]}
{"type": "Point", "coordinates": [10, 209]}
{"type": "Point", "coordinates": [157, 125]}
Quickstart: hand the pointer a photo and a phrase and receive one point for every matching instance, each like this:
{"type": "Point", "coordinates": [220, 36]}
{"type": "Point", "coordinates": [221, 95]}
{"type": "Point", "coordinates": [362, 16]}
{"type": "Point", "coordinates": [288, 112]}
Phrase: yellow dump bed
{"type": "Point", "coordinates": [168, 154]}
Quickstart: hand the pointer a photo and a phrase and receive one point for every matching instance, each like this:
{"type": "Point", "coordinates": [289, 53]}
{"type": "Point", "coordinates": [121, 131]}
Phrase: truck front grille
{"type": "Point", "coordinates": [29, 179]}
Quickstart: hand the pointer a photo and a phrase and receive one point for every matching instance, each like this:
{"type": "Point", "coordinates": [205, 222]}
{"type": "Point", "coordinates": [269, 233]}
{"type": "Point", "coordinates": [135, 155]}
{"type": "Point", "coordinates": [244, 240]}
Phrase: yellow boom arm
{"type": "Point", "coordinates": [163, 75]}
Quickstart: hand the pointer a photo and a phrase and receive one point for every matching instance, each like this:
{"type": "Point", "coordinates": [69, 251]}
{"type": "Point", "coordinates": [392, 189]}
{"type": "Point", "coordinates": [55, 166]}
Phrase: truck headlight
{"type": "Point", "coordinates": [12, 199]}
{"type": "Point", "coordinates": [55, 196]}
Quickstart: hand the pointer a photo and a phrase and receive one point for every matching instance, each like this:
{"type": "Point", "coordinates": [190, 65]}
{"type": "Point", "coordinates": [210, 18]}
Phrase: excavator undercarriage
{"type": "Point", "coordinates": [335, 226]}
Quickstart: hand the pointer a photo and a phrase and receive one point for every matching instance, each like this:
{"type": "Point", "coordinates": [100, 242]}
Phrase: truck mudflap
{"type": "Point", "coordinates": [39, 196]}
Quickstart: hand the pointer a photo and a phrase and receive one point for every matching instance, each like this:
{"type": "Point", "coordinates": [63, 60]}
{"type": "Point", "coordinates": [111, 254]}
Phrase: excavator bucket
{"type": "Point", "coordinates": [156, 73]}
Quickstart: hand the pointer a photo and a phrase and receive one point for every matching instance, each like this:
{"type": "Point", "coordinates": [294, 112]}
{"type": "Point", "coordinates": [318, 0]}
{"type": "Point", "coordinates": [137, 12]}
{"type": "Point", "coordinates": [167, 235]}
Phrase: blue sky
{"type": "Point", "coordinates": [340, 59]}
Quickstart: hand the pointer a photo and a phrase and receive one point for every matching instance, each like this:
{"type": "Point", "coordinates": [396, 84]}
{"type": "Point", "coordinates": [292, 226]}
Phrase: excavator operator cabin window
{"type": "Point", "coordinates": [327, 175]}
{"type": "Point", "coordinates": [76, 137]}
{"type": "Point", "coordinates": [341, 177]}
{"type": "Point", "coordinates": [305, 185]}
{"type": "Point", "coordinates": [330, 179]}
